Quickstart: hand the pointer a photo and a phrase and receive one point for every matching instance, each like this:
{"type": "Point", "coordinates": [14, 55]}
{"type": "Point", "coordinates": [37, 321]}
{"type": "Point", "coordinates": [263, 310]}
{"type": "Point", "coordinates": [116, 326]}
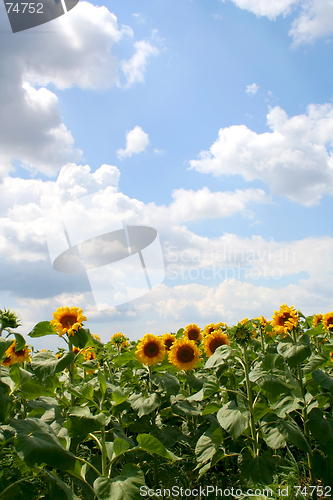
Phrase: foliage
{"type": "Point", "coordinates": [93, 422]}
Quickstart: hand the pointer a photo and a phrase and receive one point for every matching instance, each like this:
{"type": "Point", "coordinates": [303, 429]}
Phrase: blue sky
{"type": "Point", "coordinates": [216, 118]}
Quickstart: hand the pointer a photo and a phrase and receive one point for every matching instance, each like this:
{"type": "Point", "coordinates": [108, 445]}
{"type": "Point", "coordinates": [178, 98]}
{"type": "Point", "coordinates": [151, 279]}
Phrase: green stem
{"type": "Point", "coordinates": [104, 454]}
{"type": "Point", "coordinates": [263, 348]}
{"type": "Point", "coordinates": [71, 371]}
{"type": "Point", "coordinates": [250, 402]}
{"type": "Point", "coordinates": [305, 418]}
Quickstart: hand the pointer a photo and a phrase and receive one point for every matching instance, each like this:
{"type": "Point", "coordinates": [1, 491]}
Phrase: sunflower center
{"type": "Point", "coordinates": [330, 322]}
{"type": "Point", "coordinates": [168, 343]}
{"type": "Point", "coordinates": [281, 320]}
{"type": "Point", "coordinates": [185, 354]}
{"type": "Point", "coordinates": [68, 321]}
{"type": "Point", "coordinates": [215, 343]}
{"type": "Point", "coordinates": [193, 334]}
{"type": "Point", "coordinates": [151, 349]}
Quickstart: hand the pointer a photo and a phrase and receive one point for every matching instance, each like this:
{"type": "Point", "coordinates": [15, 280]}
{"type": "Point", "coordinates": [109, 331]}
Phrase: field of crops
{"type": "Point", "coordinates": [212, 412]}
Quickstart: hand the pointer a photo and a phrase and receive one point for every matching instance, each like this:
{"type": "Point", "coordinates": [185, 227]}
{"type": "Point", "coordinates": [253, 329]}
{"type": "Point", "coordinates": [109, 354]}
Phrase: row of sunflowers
{"type": "Point", "coordinates": [248, 405]}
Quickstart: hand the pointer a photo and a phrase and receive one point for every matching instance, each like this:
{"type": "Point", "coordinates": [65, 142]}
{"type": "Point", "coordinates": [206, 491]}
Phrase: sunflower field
{"type": "Point", "coordinates": [241, 411]}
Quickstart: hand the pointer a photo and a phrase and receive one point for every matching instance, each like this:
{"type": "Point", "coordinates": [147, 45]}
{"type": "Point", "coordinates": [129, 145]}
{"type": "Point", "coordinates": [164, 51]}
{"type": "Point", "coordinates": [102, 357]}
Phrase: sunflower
{"type": "Point", "coordinates": [76, 350]}
{"type": "Point", "coordinates": [241, 333]}
{"type": "Point", "coordinates": [67, 320]}
{"type": "Point", "coordinates": [261, 321]}
{"type": "Point", "coordinates": [192, 332]}
{"type": "Point", "coordinates": [150, 350]}
{"type": "Point", "coordinates": [88, 354]}
{"type": "Point", "coordinates": [97, 337]}
{"type": "Point", "coordinates": [8, 319]}
{"type": "Point", "coordinates": [214, 326]}
{"type": "Point", "coordinates": [13, 356]}
{"type": "Point", "coordinates": [119, 340]}
{"type": "Point", "coordinates": [284, 320]}
{"type": "Point", "coordinates": [316, 320]}
{"type": "Point", "coordinates": [184, 354]}
{"type": "Point", "coordinates": [327, 322]}
{"type": "Point", "coordinates": [168, 339]}
{"type": "Point", "coordinates": [214, 340]}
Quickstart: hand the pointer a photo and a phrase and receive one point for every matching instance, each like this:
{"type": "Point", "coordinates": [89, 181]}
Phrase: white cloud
{"type": "Point", "coordinates": [252, 89]}
{"type": "Point", "coordinates": [140, 18]}
{"type": "Point", "coordinates": [315, 21]}
{"type": "Point", "coordinates": [294, 159]}
{"type": "Point", "coordinates": [314, 18]}
{"type": "Point", "coordinates": [134, 69]}
{"type": "Point", "coordinates": [269, 8]}
{"type": "Point", "coordinates": [77, 53]}
{"type": "Point", "coordinates": [219, 273]}
{"type": "Point", "coordinates": [136, 142]}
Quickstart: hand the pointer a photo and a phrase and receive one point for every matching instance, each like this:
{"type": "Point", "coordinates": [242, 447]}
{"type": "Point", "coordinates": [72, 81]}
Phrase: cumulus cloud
{"type": "Point", "coordinates": [136, 142]}
{"type": "Point", "coordinates": [294, 159]}
{"type": "Point", "coordinates": [314, 17]}
{"type": "Point", "coordinates": [271, 8]}
{"type": "Point", "coordinates": [218, 276]}
{"type": "Point", "coordinates": [252, 89]}
{"type": "Point", "coordinates": [315, 21]}
{"type": "Point", "coordinates": [77, 53]}
{"type": "Point", "coordinates": [134, 69]}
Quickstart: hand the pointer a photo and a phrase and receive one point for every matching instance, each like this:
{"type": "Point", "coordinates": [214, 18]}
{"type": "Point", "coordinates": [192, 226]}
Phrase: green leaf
{"type": "Point", "coordinates": [20, 342]}
{"type": "Point", "coordinates": [286, 405]}
{"type": "Point", "coordinates": [316, 360]}
{"type": "Point", "coordinates": [219, 357]}
{"type": "Point", "coordinates": [198, 396]}
{"type": "Point", "coordinates": [41, 329]}
{"type": "Point", "coordinates": [4, 345]}
{"type": "Point", "coordinates": [167, 382]}
{"type": "Point", "coordinates": [19, 376]}
{"type": "Point", "coordinates": [294, 353]}
{"type": "Point", "coordinates": [64, 489]}
{"type": "Point", "coordinates": [42, 446]}
{"type": "Point", "coordinates": [208, 444]}
{"type": "Point", "coordinates": [46, 364]}
{"type": "Point", "coordinates": [102, 382]}
{"type": "Point", "coordinates": [119, 446]}
{"type": "Point", "coordinates": [211, 386]}
{"type": "Point", "coordinates": [33, 389]}
{"type": "Point", "coordinates": [279, 431]}
{"type": "Point", "coordinates": [143, 405]}
{"type": "Point", "coordinates": [205, 449]}
{"type": "Point", "coordinates": [123, 358]}
{"type": "Point", "coordinates": [273, 375]}
{"type": "Point", "coordinates": [126, 486]}
{"type": "Point", "coordinates": [325, 381]}
{"type": "Point", "coordinates": [152, 445]}
{"type": "Point", "coordinates": [5, 400]}
{"type": "Point", "coordinates": [116, 448]}
{"type": "Point", "coordinates": [83, 338]}
{"type": "Point", "coordinates": [233, 419]}
{"type": "Point", "coordinates": [85, 390]}
{"type": "Point", "coordinates": [184, 407]}
{"type": "Point", "coordinates": [119, 395]}
{"type": "Point", "coordinates": [81, 421]}
{"type": "Point", "coordinates": [321, 429]}
{"type": "Point", "coordinates": [211, 408]}
{"type": "Point", "coordinates": [260, 469]}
